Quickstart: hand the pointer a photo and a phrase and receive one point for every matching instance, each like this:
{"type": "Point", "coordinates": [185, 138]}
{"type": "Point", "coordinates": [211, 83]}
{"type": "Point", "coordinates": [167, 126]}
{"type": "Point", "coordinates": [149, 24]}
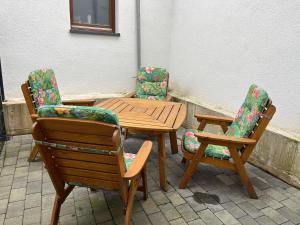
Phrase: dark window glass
{"type": "Point", "coordinates": [97, 15]}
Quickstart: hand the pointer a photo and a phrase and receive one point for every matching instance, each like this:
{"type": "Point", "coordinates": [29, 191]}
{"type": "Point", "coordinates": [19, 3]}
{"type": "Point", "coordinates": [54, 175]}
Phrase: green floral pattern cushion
{"type": "Point", "coordinates": [152, 74]}
{"type": "Point", "coordinates": [191, 144]}
{"type": "Point", "coordinates": [249, 113]}
{"type": "Point", "coordinates": [129, 157]}
{"type": "Point", "coordinates": [152, 97]}
{"type": "Point", "coordinates": [44, 88]}
{"type": "Point", "coordinates": [152, 83]}
{"type": "Point", "coordinates": [79, 112]}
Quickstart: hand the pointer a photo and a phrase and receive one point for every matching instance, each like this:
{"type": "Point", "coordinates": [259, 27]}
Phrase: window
{"type": "Point", "coordinates": [92, 16]}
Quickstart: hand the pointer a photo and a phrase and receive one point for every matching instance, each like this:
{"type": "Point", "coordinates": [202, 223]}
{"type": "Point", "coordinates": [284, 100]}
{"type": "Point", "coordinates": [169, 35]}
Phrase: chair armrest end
{"type": "Point", "coordinates": [140, 161]}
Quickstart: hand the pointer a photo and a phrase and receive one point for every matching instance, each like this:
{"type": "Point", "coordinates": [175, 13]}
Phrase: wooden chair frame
{"type": "Point", "coordinates": [30, 102]}
{"type": "Point", "coordinates": [239, 157]}
{"type": "Point", "coordinates": [89, 169]}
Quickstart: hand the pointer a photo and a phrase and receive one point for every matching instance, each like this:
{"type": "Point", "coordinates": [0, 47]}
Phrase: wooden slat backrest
{"type": "Point", "coordinates": [259, 129]}
{"type": "Point", "coordinates": [82, 168]}
{"type": "Point", "coordinates": [28, 97]}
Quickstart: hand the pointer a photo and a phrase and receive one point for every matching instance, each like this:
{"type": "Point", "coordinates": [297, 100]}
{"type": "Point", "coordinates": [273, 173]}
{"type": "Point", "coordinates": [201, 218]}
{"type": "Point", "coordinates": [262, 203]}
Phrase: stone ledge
{"type": "Point", "coordinates": [17, 118]}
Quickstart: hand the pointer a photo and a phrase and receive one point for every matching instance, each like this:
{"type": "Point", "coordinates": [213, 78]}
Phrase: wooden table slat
{"type": "Point", "coordinates": [164, 115]}
{"type": "Point", "coordinates": [157, 112]}
{"type": "Point", "coordinates": [121, 107]}
{"type": "Point", "coordinates": [150, 110]}
{"type": "Point", "coordinates": [107, 103]}
{"type": "Point", "coordinates": [116, 105]}
{"type": "Point", "coordinates": [172, 116]}
{"type": "Point", "coordinates": [180, 117]}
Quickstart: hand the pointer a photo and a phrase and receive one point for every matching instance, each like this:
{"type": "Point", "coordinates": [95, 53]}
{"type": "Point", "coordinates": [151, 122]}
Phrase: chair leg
{"type": "Point", "coordinates": [243, 174]}
{"type": "Point", "coordinates": [59, 200]}
{"type": "Point", "coordinates": [192, 166]}
{"type": "Point", "coordinates": [183, 161]}
{"type": "Point", "coordinates": [33, 153]}
{"type": "Point", "coordinates": [56, 210]}
{"type": "Point", "coordinates": [132, 190]}
{"type": "Point", "coordinates": [125, 133]}
{"type": "Point", "coordinates": [145, 183]}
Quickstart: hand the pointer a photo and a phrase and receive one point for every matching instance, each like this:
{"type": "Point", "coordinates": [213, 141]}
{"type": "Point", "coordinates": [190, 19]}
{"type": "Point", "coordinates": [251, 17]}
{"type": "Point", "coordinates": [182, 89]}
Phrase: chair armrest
{"type": "Point", "coordinates": [80, 102]}
{"type": "Point", "coordinates": [223, 140]}
{"type": "Point", "coordinates": [214, 119]}
{"type": "Point", "coordinates": [34, 116]}
{"type": "Point", "coordinates": [139, 161]}
{"type": "Point", "coordinates": [130, 95]}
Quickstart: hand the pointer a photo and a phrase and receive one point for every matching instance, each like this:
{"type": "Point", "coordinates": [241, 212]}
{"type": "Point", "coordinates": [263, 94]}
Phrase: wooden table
{"type": "Point", "coordinates": [153, 117]}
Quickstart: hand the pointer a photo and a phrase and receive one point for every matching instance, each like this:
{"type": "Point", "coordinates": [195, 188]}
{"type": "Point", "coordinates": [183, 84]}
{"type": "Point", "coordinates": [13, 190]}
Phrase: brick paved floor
{"type": "Point", "coordinates": [214, 196]}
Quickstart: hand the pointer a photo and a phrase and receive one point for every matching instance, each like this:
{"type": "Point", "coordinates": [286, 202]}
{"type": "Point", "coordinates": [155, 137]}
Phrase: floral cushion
{"type": "Point", "coordinates": [79, 112]}
{"type": "Point", "coordinates": [152, 82]}
{"type": "Point", "coordinates": [44, 88]}
{"type": "Point", "coordinates": [249, 113]}
{"type": "Point", "coordinates": [152, 97]}
{"type": "Point", "coordinates": [129, 157]}
{"type": "Point", "coordinates": [191, 144]}
{"type": "Point", "coordinates": [152, 74]}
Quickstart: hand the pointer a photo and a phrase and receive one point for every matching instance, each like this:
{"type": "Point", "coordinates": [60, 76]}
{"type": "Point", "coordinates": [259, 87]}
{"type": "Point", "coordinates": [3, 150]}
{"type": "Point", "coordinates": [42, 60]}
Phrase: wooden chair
{"type": "Point", "coordinates": [31, 98]}
{"type": "Point", "coordinates": [88, 153]}
{"type": "Point", "coordinates": [151, 83]}
{"type": "Point", "coordinates": [231, 150]}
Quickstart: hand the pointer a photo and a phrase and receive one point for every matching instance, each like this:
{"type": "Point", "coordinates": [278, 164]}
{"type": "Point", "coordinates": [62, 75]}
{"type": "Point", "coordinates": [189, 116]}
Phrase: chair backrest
{"type": "Point", "coordinates": [152, 83]}
{"type": "Point", "coordinates": [252, 118]}
{"type": "Point", "coordinates": [249, 113]}
{"type": "Point", "coordinates": [44, 88]}
{"type": "Point", "coordinates": [81, 146]}
{"type": "Point", "coordinates": [30, 102]}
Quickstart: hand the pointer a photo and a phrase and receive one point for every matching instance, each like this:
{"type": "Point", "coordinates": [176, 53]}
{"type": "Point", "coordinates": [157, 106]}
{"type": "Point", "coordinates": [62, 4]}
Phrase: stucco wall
{"type": "Point", "coordinates": [213, 49]}
{"type": "Point", "coordinates": [218, 48]}
{"type": "Point", "coordinates": [156, 20]}
{"type": "Point", "coordinates": [35, 34]}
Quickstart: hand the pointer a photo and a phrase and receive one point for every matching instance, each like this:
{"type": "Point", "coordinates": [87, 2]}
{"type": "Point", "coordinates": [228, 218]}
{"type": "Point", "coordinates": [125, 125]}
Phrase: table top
{"type": "Point", "coordinates": [146, 114]}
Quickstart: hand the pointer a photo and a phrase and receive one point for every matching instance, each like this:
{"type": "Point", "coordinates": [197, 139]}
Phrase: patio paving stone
{"type": "Point", "coordinates": [213, 196]}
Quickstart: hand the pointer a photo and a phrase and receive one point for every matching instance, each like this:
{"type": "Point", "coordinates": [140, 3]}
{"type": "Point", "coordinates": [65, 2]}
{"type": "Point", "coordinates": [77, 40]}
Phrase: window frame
{"type": "Point", "coordinates": [93, 28]}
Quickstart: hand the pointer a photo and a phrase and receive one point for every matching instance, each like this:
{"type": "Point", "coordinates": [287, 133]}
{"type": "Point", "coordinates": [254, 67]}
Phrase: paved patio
{"type": "Point", "coordinates": [214, 196]}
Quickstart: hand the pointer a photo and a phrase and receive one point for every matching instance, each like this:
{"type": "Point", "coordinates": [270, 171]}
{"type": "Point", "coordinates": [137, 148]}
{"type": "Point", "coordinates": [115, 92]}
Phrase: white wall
{"type": "Point", "coordinates": [35, 34]}
{"type": "Point", "coordinates": [156, 20]}
{"type": "Point", "coordinates": [214, 49]}
{"type": "Point", "coordinates": [219, 48]}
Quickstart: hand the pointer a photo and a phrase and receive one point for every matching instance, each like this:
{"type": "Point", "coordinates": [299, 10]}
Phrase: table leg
{"type": "Point", "coordinates": [162, 161]}
{"type": "Point", "coordinates": [173, 140]}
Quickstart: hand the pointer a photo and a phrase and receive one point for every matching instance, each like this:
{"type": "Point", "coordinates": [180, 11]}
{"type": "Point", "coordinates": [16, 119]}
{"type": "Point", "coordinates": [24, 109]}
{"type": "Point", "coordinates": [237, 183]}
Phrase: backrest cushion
{"type": "Point", "coordinates": [249, 113]}
{"type": "Point", "coordinates": [44, 88]}
{"type": "Point", "coordinates": [79, 112]}
{"type": "Point", "coordinates": [152, 82]}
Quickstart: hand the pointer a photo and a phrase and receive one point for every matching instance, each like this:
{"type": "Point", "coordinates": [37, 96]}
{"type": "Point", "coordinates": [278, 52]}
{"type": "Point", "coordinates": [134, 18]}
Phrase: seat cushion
{"type": "Point", "coordinates": [152, 97]}
{"type": "Point", "coordinates": [79, 112]}
{"type": "Point", "coordinates": [152, 82]}
{"type": "Point", "coordinates": [44, 88]}
{"type": "Point", "coordinates": [129, 157]}
{"type": "Point", "coordinates": [191, 144]}
{"type": "Point", "coordinates": [249, 113]}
